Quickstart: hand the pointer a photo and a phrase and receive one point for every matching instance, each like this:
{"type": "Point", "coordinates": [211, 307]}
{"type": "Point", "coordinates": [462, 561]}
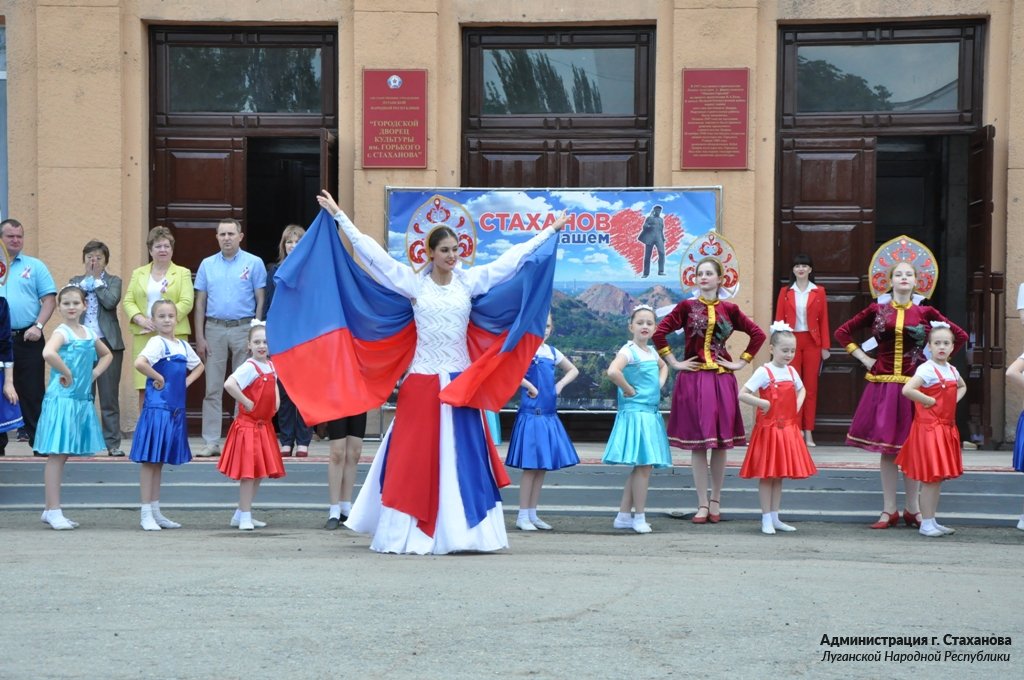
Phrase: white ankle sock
{"type": "Point", "coordinates": [624, 517]}
{"type": "Point", "coordinates": [928, 524]}
{"type": "Point", "coordinates": [237, 515]}
{"type": "Point", "coordinates": [524, 513]}
{"type": "Point", "coordinates": [533, 514]}
{"type": "Point", "coordinates": [148, 521]}
{"type": "Point", "coordinates": [640, 518]}
{"type": "Point", "coordinates": [346, 507]}
{"type": "Point", "coordinates": [334, 511]}
{"type": "Point", "coordinates": [779, 524]}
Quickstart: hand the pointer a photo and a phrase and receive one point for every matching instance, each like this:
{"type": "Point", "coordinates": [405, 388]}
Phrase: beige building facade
{"type": "Point", "coordinates": [80, 91]}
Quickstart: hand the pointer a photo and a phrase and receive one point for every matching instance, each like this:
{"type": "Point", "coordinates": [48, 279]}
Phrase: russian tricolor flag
{"type": "Point", "coordinates": [341, 341]}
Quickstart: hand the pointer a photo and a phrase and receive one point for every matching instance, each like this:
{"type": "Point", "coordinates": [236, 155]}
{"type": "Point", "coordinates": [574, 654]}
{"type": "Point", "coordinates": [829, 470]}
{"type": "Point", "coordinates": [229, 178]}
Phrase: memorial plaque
{"type": "Point", "coordinates": [394, 118]}
{"type": "Point", "coordinates": [714, 119]}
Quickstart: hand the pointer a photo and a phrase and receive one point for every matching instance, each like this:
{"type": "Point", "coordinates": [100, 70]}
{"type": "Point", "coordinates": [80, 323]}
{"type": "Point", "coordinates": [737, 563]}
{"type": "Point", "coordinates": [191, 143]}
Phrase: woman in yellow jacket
{"type": "Point", "coordinates": [161, 279]}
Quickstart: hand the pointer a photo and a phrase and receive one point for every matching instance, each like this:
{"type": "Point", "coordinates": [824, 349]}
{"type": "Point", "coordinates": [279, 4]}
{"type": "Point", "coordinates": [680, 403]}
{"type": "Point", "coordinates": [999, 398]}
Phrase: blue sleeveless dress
{"type": "Point", "coordinates": [68, 422]}
{"type": "Point", "coordinates": [10, 414]}
{"type": "Point", "coordinates": [1018, 445]}
{"type": "Point", "coordinates": [638, 436]}
{"type": "Point", "coordinates": [539, 441]}
{"type": "Point", "coordinates": [160, 434]}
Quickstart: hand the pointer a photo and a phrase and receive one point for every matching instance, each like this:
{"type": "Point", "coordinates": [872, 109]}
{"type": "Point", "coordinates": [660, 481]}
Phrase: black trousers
{"type": "Point", "coordinates": [29, 382]}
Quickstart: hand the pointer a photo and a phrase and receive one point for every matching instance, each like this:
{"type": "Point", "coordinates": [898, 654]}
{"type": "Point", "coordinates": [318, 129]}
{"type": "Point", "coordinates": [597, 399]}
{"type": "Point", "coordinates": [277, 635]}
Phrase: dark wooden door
{"type": "Point", "coordinates": [329, 162]}
{"type": "Point", "coordinates": [985, 352]}
{"type": "Point", "coordinates": [827, 210]}
{"type": "Point", "coordinates": [196, 182]}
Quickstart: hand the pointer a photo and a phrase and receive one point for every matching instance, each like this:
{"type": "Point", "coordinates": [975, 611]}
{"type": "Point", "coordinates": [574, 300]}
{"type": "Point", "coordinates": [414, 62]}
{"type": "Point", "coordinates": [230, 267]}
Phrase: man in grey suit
{"type": "Point", "coordinates": [652, 235]}
{"type": "Point", "coordinates": [102, 295]}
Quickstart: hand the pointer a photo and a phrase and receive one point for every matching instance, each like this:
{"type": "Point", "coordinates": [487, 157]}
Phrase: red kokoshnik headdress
{"type": "Point", "coordinates": [903, 249]}
{"type": "Point", "coordinates": [713, 245]}
{"type": "Point", "coordinates": [439, 211]}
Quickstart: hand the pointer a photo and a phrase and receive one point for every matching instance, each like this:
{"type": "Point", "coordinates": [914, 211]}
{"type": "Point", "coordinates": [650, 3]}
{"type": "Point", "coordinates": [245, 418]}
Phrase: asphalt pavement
{"type": "Point", "coordinates": [583, 601]}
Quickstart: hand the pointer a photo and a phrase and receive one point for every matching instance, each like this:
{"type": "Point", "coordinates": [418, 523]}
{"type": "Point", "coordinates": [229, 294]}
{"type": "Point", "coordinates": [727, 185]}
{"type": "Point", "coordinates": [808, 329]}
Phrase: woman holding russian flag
{"type": "Point", "coordinates": [433, 485]}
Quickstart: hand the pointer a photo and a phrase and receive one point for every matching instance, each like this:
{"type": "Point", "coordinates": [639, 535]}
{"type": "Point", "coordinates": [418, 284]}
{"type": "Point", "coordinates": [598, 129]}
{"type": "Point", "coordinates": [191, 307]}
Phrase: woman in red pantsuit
{"type": "Point", "coordinates": [804, 306]}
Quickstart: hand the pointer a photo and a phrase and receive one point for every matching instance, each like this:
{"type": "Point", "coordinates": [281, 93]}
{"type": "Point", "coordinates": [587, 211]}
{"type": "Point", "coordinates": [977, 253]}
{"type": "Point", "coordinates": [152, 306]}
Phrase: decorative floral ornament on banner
{"type": "Point", "coordinates": [5, 264]}
{"type": "Point", "coordinates": [903, 249]}
{"type": "Point", "coordinates": [712, 244]}
{"type": "Point", "coordinates": [439, 211]}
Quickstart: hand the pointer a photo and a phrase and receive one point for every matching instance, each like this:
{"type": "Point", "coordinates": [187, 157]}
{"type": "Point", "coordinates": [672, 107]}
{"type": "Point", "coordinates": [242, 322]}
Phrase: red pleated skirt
{"type": "Point", "coordinates": [932, 450]}
{"type": "Point", "coordinates": [251, 451]}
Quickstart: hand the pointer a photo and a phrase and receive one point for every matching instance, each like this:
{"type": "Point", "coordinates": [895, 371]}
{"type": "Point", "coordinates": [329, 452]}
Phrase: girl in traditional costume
{"type": "Point", "coordinates": [705, 405]}
{"type": "Point", "coordinates": [68, 425]}
{"type": "Point", "coordinates": [638, 436]}
{"type": "Point", "coordinates": [902, 272]}
{"type": "Point", "coordinates": [1015, 374]}
{"type": "Point", "coordinates": [931, 453]}
{"type": "Point", "coordinates": [161, 435]}
{"type": "Point", "coordinates": [539, 442]}
{"type": "Point", "coordinates": [251, 451]}
{"type": "Point", "coordinates": [777, 448]}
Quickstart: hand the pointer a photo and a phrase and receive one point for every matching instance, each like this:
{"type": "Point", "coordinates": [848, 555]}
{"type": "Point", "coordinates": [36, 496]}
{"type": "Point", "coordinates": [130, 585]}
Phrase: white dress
{"type": "Point", "coordinates": [442, 317]}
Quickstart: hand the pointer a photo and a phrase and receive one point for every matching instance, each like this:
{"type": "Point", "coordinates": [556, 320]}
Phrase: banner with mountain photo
{"type": "Point", "coordinates": [621, 247]}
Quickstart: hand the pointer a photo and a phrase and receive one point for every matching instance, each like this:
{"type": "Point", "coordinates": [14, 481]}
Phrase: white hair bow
{"type": "Point", "coordinates": [940, 324]}
{"type": "Point", "coordinates": [257, 322]}
{"type": "Point", "coordinates": [779, 327]}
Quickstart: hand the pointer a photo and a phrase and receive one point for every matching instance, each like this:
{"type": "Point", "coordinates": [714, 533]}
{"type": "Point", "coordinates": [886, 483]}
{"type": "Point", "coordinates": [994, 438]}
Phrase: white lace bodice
{"type": "Point", "coordinates": [441, 312]}
{"type": "Point", "coordinates": [442, 317]}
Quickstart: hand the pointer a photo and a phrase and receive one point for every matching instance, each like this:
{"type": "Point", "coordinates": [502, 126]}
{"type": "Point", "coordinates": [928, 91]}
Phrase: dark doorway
{"type": "Point", "coordinates": [243, 125]}
{"type": "Point", "coordinates": [921, 187]}
{"type": "Point", "coordinates": [872, 144]}
{"type": "Point", "coordinates": [283, 176]}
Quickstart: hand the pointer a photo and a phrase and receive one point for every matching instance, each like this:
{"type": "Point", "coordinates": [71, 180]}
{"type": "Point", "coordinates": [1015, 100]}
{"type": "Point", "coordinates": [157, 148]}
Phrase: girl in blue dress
{"type": "Point", "coordinates": [1015, 374]}
{"type": "Point", "coordinates": [68, 425]}
{"type": "Point", "coordinates": [539, 442]}
{"type": "Point", "coordinates": [638, 437]}
{"type": "Point", "coordinates": [10, 412]}
{"type": "Point", "coordinates": [161, 437]}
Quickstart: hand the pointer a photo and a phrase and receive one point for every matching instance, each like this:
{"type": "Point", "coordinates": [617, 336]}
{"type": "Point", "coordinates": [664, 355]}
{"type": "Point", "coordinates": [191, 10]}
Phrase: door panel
{"type": "Point", "coordinates": [605, 163]}
{"type": "Point", "coordinates": [510, 162]}
{"type": "Point", "coordinates": [985, 354]}
{"type": "Point", "coordinates": [827, 210]}
{"type": "Point", "coordinates": [329, 162]}
{"type": "Point", "coordinates": [197, 182]}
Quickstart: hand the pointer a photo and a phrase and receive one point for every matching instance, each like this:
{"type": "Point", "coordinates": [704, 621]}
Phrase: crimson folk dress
{"type": "Point", "coordinates": [777, 448]}
{"type": "Point", "coordinates": [882, 420]}
{"type": "Point", "coordinates": [705, 407]}
{"type": "Point", "coordinates": [932, 450]}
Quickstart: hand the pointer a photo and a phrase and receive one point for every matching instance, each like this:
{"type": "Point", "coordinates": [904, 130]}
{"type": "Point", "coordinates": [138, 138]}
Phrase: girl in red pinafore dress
{"type": "Point", "coordinates": [777, 448]}
{"type": "Point", "coordinates": [251, 451]}
{"type": "Point", "coordinates": [932, 450]}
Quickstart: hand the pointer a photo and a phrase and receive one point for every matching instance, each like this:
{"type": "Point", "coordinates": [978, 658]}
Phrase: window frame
{"type": "Point", "coordinates": [477, 40]}
{"type": "Point", "coordinates": [969, 34]}
{"type": "Point", "coordinates": [162, 38]}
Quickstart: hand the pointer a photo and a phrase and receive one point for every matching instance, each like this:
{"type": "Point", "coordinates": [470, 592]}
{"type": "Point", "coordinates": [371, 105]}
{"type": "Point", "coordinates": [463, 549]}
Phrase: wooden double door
{"type": "Point", "coordinates": [840, 197]}
{"type": "Point", "coordinates": [244, 126]}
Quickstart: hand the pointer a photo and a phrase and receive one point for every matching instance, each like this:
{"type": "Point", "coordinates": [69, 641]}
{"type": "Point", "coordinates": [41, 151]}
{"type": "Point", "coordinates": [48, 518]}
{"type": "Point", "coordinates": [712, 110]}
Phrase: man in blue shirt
{"type": "Point", "coordinates": [229, 295]}
{"type": "Point", "coordinates": [32, 297]}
